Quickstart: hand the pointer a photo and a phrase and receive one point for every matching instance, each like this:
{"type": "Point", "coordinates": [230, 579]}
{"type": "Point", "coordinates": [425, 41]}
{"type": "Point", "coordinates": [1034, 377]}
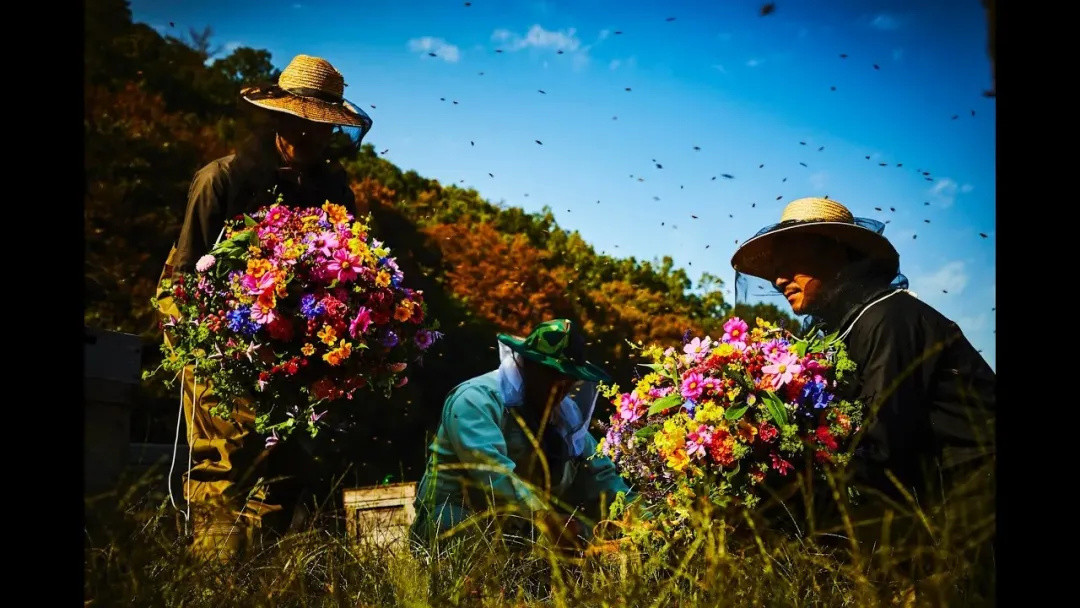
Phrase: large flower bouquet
{"type": "Point", "coordinates": [717, 420]}
{"type": "Point", "coordinates": [294, 311]}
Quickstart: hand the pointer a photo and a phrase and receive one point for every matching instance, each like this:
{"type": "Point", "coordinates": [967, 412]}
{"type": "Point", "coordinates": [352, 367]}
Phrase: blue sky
{"type": "Point", "coordinates": [745, 88]}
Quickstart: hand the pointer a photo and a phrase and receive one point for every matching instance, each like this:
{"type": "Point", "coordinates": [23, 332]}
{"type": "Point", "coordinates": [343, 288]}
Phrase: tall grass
{"type": "Point", "coordinates": [136, 555]}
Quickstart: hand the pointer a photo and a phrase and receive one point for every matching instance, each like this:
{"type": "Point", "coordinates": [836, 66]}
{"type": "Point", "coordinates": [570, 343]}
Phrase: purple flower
{"type": "Point", "coordinates": [272, 440]}
{"type": "Point", "coordinates": [311, 308]}
{"type": "Point", "coordinates": [424, 339]}
{"type": "Point", "coordinates": [389, 339]}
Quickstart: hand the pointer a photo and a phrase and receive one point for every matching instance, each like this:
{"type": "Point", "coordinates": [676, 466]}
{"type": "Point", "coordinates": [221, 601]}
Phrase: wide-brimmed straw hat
{"type": "Point", "coordinates": [560, 344]}
{"type": "Point", "coordinates": [820, 216]}
{"type": "Point", "coordinates": [312, 89]}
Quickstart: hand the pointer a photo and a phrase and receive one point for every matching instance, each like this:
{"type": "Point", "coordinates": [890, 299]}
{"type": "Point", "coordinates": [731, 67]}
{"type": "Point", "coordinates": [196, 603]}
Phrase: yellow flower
{"type": "Point", "coordinates": [257, 268]}
{"type": "Point", "coordinates": [724, 350]}
{"type": "Point", "coordinates": [678, 459]}
{"type": "Point", "coordinates": [254, 250]}
{"type": "Point", "coordinates": [327, 335]}
{"type": "Point", "coordinates": [345, 348]}
{"type": "Point", "coordinates": [709, 413]}
{"type": "Point", "coordinates": [382, 279]}
{"type": "Point", "coordinates": [308, 349]}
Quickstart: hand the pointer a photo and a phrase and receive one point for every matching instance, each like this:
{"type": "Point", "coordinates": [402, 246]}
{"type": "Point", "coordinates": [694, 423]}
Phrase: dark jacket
{"type": "Point", "coordinates": [933, 393]}
{"type": "Point", "coordinates": [243, 182]}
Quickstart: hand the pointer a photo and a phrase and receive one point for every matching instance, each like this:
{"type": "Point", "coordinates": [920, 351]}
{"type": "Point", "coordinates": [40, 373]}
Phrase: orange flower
{"type": "Point", "coordinates": [747, 431]}
{"type": "Point", "coordinates": [256, 268]}
{"type": "Point", "coordinates": [336, 213]}
{"type": "Point", "coordinates": [327, 335]}
{"type": "Point", "coordinates": [382, 279]}
{"type": "Point", "coordinates": [308, 349]}
{"type": "Point", "coordinates": [403, 311]}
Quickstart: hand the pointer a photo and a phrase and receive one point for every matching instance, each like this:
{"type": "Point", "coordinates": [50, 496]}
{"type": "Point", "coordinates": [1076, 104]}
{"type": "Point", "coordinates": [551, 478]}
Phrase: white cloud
{"type": "Point", "coordinates": [817, 181]}
{"type": "Point", "coordinates": [944, 192]}
{"type": "Point", "coordinates": [897, 54]}
{"type": "Point", "coordinates": [719, 68]}
{"type": "Point", "coordinates": [950, 277]}
{"type": "Point", "coordinates": [966, 188]}
{"type": "Point", "coordinates": [539, 38]}
{"type": "Point", "coordinates": [885, 22]}
{"type": "Point", "coordinates": [753, 63]}
{"type": "Point", "coordinates": [297, 5]}
{"type": "Point", "coordinates": [604, 34]}
{"type": "Point", "coordinates": [614, 65]}
{"type": "Point", "coordinates": [427, 44]}
{"type": "Point", "coordinates": [232, 46]}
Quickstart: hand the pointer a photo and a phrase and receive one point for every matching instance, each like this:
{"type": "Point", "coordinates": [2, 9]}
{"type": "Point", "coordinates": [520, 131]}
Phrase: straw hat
{"type": "Point", "coordinates": [814, 216]}
{"type": "Point", "coordinates": [312, 89]}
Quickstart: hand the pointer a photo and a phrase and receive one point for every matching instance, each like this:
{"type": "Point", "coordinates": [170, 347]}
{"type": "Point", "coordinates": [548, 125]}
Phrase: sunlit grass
{"type": "Point", "coordinates": [136, 555]}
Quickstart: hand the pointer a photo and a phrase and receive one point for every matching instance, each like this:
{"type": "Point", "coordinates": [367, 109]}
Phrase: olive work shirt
{"type": "Point", "coordinates": [934, 394]}
{"type": "Point", "coordinates": [228, 187]}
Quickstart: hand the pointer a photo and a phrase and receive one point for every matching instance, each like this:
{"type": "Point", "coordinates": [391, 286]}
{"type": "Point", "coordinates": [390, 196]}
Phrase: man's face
{"type": "Point", "coordinates": [804, 265]}
{"type": "Point", "coordinates": [302, 142]}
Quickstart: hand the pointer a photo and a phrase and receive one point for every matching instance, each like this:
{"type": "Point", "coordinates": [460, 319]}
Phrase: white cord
{"type": "Point", "coordinates": [176, 440]}
{"type": "Point", "coordinates": [866, 308]}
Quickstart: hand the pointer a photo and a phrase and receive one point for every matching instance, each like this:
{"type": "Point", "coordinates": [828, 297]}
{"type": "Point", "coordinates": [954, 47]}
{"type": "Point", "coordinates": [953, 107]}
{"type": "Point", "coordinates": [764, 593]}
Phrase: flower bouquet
{"type": "Point", "coordinates": [295, 310]}
{"type": "Point", "coordinates": [717, 420]}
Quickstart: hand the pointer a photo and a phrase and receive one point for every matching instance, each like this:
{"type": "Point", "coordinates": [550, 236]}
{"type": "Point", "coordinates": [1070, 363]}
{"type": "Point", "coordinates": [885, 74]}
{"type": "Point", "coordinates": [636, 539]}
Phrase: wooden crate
{"type": "Point", "coordinates": [380, 516]}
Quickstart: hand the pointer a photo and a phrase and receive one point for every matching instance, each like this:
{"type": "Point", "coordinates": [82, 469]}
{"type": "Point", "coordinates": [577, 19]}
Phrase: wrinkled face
{"type": "Point", "coordinates": [804, 265]}
{"type": "Point", "coordinates": [302, 142]}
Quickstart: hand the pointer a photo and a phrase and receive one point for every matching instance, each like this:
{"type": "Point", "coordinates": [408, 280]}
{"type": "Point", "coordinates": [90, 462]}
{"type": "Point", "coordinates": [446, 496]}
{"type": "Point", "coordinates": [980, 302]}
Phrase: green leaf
{"type": "Point", "coordinates": [776, 409]}
{"type": "Point", "coordinates": [249, 221]}
{"type": "Point", "coordinates": [734, 472]}
{"type": "Point", "coordinates": [735, 413]}
{"type": "Point", "coordinates": [800, 348]}
{"type": "Point", "coordinates": [665, 403]}
{"type": "Point", "coordinates": [646, 433]}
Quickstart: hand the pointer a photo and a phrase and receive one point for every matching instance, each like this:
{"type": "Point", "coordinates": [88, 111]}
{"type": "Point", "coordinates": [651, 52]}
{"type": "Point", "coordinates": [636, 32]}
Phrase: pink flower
{"type": "Point", "coordinates": [344, 265]}
{"type": "Point", "coordinates": [630, 407]}
{"type": "Point", "coordinates": [780, 464]}
{"type": "Point", "coordinates": [398, 367]}
{"type": "Point", "coordinates": [257, 286]}
{"type": "Point", "coordinates": [692, 385]}
{"type": "Point", "coordinates": [360, 324]}
{"type": "Point", "coordinates": [261, 313]}
{"type": "Point", "coordinates": [782, 369]}
{"type": "Point", "coordinates": [400, 383]}
{"type": "Point", "coordinates": [205, 263]}
{"type": "Point", "coordinates": [326, 243]}
{"type": "Point", "coordinates": [697, 347]}
{"type": "Point", "coordinates": [698, 441]}
{"type": "Point", "coordinates": [735, 331]}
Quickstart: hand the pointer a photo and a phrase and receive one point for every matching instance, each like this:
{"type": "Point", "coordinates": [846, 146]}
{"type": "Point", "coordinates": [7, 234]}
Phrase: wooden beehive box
{"type": "Point", "coordinates": [380, 516]}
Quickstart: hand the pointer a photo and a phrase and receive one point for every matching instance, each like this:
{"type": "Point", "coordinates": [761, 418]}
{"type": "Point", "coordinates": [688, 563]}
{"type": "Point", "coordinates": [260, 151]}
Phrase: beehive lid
{"type": "Point", "coordinates": [373, 496]}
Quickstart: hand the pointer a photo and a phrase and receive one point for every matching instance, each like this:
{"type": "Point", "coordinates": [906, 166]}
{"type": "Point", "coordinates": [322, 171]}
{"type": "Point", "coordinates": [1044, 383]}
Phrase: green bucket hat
{"type": "Point", "coordinates": [560, 344]}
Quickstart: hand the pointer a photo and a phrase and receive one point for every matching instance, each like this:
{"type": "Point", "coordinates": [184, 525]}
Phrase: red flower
{"type": "Point", "coordinates": [768, 432]}
{"type": "Point", "coordinates": [721, 448]}
{"type": "Point", "coordinates": [292, 367]}
{"type": "Point", "coordinates": [264, 376]}
{"type": "Point", "coordinates": [822, 456]}
{"type": "Point", "coordinates": [780, 464]}
{"type": "Point", "coordinates": [825, 437]}
{"type": "Point", "coordinates": [280, 329]}
{"type": "Point", "coordinates": [323, 389]}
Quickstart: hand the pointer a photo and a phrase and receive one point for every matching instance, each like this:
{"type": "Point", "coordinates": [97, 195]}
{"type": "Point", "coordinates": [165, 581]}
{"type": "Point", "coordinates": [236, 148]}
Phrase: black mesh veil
{"type": "Point", "coordinates": [872, 267]}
